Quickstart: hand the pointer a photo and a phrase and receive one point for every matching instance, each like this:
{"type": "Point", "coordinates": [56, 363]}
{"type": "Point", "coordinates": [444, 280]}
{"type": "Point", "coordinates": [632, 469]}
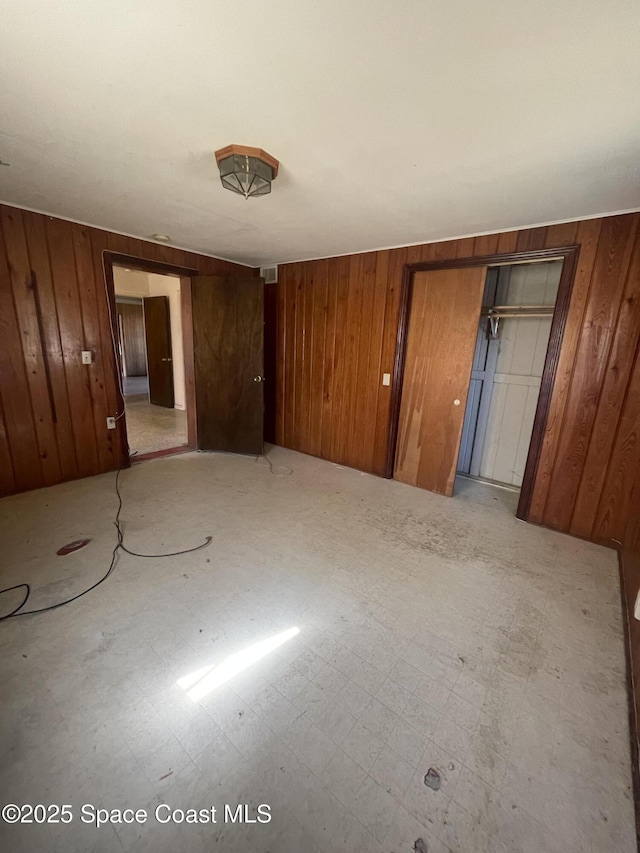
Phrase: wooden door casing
{"type": "Point", "coordinates": [228, 335]}
{"type": "Point", "coordinates": [157, 327]}
{"type": "Point", "coordinates": [444, 313]}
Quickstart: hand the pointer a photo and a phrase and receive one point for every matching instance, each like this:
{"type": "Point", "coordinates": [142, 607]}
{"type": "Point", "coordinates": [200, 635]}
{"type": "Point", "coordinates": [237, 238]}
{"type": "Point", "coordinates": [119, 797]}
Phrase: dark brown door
{"type": "Point", "coordinates": [133, 343]}
{"type": "Point", "coordinates": [228, 329]}
{"type": "Point", "coordinates": [443, 326]}
{"type": "Point", "coordinates": [157, 329]}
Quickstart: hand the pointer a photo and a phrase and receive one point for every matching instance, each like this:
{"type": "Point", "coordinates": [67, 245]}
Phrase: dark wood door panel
{"type": "Point", "coordinates": [133, 341]}
{"type": "Point", "coordinates": [228, 332]}
{"type": "Point", "coordinates": [157, 327]}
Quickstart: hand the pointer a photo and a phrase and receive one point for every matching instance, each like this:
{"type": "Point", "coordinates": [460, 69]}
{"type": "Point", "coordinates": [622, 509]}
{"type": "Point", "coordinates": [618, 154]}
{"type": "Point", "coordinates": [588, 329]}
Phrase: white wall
{"type": "Point", "coordinates": [130, 282]}
{"type": "Point", "coordinates": [167, 285]}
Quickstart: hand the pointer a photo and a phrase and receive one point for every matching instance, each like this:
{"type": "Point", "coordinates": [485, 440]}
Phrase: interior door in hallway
{"type": "Point", "coordinates": [157, 326]}
{"type": "Point", "coordinates": [131, 321]}
{"type": "Point", "coordinates": [228, 336]}
{"type": "Point", "coordinates": [443, 320]}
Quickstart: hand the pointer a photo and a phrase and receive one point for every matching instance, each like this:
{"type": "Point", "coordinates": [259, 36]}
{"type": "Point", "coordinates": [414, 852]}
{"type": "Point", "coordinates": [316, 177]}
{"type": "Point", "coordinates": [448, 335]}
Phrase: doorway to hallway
{"type": "Point", "coordinates": [148, 309]}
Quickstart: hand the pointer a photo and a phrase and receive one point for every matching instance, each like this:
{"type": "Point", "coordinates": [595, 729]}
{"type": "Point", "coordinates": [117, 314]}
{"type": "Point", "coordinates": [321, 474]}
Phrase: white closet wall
{"type": "Point", "coordinates": [516, 385]}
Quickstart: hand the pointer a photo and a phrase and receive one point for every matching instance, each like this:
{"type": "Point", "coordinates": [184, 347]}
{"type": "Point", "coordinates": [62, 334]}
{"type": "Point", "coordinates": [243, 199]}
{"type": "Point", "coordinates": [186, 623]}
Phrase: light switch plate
{"type": "Point", "coordinates": [111, 423]}
{"type": "Point", "coordinates": [386, 379]}
{"type": "Point", "coordinates": [87, 356]}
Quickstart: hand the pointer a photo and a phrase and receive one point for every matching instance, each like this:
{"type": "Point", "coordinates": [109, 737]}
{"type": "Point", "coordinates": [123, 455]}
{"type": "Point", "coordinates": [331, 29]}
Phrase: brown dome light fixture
{"type": "Point", "coordinates": [245, 170]}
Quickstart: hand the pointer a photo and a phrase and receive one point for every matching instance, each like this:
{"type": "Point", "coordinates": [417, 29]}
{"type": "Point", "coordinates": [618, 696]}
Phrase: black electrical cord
{"type": "Point", "coordinates": [120, 546]}
{"type": "Point", "coordinates": [273, 466]}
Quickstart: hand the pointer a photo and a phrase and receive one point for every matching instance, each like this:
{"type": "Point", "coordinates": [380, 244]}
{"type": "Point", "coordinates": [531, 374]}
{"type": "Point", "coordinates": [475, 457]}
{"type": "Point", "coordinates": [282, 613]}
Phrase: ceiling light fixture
{"type": "Point", "coordinates": [163, 238]}
{"type": "Point", "coordinates": [247, 171]}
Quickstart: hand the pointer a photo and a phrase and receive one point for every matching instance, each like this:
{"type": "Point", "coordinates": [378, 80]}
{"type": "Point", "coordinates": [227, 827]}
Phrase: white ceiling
{"type": "Point", "coordinates": [395, 122]}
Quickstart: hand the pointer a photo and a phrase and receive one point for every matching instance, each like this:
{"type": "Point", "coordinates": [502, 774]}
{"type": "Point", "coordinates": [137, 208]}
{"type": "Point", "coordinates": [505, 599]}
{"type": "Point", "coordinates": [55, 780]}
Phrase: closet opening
{"type": "Point", "coordinates": [508, 364]}
{"type": "Point", "coordinates": [478, 346]}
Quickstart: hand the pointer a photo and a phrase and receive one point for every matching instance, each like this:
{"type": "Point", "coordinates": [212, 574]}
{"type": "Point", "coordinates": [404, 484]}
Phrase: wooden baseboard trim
{"type": "Point", "coordinates": [158, 454]}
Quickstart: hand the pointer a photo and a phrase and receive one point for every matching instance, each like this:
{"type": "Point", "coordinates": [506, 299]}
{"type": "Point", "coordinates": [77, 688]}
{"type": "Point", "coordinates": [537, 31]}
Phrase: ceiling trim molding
{"type": "Point", "coordinates": [271, 262]}
{"type": "Point", "coordinates": [124, 233]}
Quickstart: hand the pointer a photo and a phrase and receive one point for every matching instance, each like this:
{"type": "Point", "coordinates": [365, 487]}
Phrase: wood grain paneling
{"type": "Point", "coordinates": [271, 329]}
{"type": "Point", "coordinates": [53, 305]}
{"type": "Point", "coordinates": [616, 507]}
{"type": "Point", "coordinates": [316, 355]}
{"type": "Point", "coordinates": [587, 237]}
{"type": "Point", "coordinates": [583, 398]}
{"type": "Point", "coordinates": [355, 328]}
{"type": "Point", "coordinates": [186, 317]}
{"type": "Point", "coordinates": [69, 311]}
{"type": "Point", "coordinates": [19, 422]}
{"type": "Point", "coordinates": [328, 364]}
{"type": "Point", "coordinates": [580, 484]}
{"type": "Point", "coordinates": [608, 423]}
{"type": "Point", "coordinates": [28, 307]}
{"type": "Point", "coordinates": [340, 377]}
{"type": "Point", "coordinates": [92, 299]}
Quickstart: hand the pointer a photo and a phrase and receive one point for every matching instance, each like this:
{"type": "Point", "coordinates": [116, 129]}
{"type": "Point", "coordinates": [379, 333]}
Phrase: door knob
{"type": "Point", "coordinates": [456, 402]}
{"type": "Point", "coordinates": [258, 378]}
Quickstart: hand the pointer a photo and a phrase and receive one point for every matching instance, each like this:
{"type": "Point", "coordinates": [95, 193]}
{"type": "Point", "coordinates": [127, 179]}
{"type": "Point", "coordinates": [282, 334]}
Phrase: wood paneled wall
{"type": "Point", "coordinates": [53, 305]}
{"type": "Point", "coordinates": [336, 325]}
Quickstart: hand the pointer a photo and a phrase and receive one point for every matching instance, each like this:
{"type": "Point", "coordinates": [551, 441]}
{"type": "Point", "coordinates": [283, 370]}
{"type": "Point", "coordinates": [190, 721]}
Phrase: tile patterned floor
{"type": "Point", "coordinates": [135, 386]}
{"type": "Point", "coordinates": [151, 428]}
{"type": "Point", "coordinates": [433, 633]}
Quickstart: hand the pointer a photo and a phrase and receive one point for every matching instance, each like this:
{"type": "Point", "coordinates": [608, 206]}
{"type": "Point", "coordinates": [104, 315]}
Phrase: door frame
{"type": "Point", "coordinates": [569, 256]}
{"type": "Point", "coordinates": [111, 259]}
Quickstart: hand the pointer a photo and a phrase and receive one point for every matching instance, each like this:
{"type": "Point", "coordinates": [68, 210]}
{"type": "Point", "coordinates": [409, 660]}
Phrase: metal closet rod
{"type": "Point", "coordinates": [519, 311]}
{"type": "Point", "coordinates": [514, 316]}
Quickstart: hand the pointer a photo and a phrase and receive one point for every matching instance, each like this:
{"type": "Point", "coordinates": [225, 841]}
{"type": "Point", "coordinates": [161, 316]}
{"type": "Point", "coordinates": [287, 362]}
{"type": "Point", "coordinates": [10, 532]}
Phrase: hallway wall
{"type": "Point", "coordinates": [169, 286]}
